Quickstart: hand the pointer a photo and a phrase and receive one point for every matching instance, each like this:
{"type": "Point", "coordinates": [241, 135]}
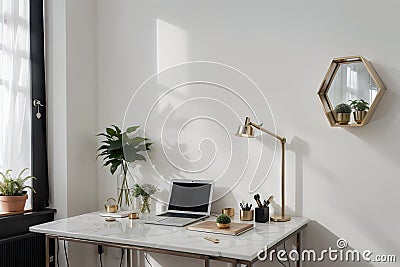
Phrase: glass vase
{"type": "Point", "coordinates": [125, 186]}
{"type": "Point", "coordinates": [145, 205]}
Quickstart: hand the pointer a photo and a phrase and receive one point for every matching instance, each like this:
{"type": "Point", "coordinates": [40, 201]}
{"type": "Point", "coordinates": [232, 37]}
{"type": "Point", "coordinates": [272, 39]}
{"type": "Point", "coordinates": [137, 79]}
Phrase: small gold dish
{"type": "Point", "coordinates": [133, 215]}
{"type": "Point", "coordinates": [246, 215]}
{"type": "Point", "coordinates": [111, 205]}
{"type": "Point", "coordinates": [229, 211]}
{"type": "Point", "coordinates": [223, 225]}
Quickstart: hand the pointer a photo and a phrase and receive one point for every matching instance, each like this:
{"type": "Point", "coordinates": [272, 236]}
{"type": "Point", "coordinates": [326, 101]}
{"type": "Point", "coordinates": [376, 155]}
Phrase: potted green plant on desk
{"type": "Point", "coordinates": [223, 221]}
{"type": "Point", "coordinates": [119, 149]}
{"type": "Point", "coordinates": [12, 191]}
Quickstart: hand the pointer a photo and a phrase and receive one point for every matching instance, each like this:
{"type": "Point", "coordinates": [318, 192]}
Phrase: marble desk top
{"type": "Point", "coordinates": [124, 231]}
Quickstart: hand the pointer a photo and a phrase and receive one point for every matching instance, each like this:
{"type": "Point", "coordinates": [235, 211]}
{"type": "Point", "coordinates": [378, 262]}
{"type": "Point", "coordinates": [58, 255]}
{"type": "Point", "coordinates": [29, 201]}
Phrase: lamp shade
{"type": "Point", "coordinates": [245, 131]}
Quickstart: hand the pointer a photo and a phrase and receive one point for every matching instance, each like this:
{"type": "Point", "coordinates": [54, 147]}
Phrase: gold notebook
{"type": "Point", "coordinates": [211, 227]}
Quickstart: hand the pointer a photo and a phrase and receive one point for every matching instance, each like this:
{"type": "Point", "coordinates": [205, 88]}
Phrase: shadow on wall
{"type": "Point", "coordinates": [220, 204]}
{"type": "Point", "coordinates": [301, 149]}
{"type": "Point", "coordinates": [317, 237]}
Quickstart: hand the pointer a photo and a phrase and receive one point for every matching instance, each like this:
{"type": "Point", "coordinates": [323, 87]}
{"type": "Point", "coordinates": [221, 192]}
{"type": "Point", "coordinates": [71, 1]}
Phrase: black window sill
{"type": "Point", "coordinates": [17, 224]}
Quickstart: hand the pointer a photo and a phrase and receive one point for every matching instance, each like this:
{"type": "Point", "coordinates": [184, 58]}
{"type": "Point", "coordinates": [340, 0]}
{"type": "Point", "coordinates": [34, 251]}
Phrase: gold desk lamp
{"type": "Point", "coordinates": [246, 130]}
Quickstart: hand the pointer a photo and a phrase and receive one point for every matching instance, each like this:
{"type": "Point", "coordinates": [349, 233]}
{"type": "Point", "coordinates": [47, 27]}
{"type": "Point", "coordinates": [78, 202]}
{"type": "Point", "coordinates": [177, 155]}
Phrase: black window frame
{"type": "Point", "coordinates": [38, 91]}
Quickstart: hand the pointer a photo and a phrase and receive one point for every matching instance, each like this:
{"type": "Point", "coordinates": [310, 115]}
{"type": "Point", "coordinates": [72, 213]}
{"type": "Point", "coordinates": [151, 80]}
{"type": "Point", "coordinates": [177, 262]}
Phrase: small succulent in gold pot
{"type": "Point", "coordinates": [342, 112]}
{"type": "Point", "coordinates": [223, 221]}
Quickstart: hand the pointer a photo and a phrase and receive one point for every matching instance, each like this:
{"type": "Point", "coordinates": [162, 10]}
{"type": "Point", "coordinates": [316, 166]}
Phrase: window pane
{"type": "Point", "coordinates": [15, 91]}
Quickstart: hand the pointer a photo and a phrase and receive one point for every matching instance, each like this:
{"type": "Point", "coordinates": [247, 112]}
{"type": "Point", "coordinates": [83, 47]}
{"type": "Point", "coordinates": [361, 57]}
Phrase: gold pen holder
{"type": "Point", "coordinates": [246, 215]}
{"type": "Point", "coordinates": [111, 205]}
{"type": "Point", "coordinates": [229, 211]}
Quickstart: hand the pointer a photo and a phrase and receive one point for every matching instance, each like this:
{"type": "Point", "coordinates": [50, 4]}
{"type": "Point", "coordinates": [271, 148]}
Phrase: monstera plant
{"type": "Point", "coordinates": [119, 149]}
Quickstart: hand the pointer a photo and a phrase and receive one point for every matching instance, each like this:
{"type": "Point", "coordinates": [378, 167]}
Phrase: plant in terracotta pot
{"type": "Point", "coordinates": [12, 191]}
{"type": "Point", "coordinates": [119, 149]}
{"type": "Point", "coordinates": [223, 221]}
{"type": "Point", "coordinates": [360, 108]}
{"type": "Point", "coordinates": [342, 112]}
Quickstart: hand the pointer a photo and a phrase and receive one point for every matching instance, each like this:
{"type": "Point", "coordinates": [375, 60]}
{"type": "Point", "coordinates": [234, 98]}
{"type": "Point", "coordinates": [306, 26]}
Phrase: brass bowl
{"type": "Point", "coordinates": [229, 211]}
{"type": "Point", "coordinates": [133, 215]}
{"type": "Point", "coordinates": [111, 205]}
{"type": "Point", "coordinates": [223, 225]}
{"type": "Point", "coordinates": [246, 215]}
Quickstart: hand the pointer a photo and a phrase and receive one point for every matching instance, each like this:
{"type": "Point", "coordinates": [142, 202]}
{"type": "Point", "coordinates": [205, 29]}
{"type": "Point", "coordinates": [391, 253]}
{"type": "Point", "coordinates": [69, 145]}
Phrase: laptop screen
{"type": "Point", "coordinates": [190, 196]}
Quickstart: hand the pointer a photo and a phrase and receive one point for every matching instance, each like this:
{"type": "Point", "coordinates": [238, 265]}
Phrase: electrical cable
{"type": "Point", "coordinates": [145, 256]}
{"type": "Point", "coordinates": [66, 254]}
{"type": "Point", "coordinates": [287, 255]}
{"type": "Point", "coordinates": [280, 260]}
{"type": "Point", "coordinates": [58, 252]}
{"type": "Point", "coordinates": [101, 261]}
{"type": "Point", "coordinates": [100, 251]}
{"type": "Point", "coordinates": [122, 257]}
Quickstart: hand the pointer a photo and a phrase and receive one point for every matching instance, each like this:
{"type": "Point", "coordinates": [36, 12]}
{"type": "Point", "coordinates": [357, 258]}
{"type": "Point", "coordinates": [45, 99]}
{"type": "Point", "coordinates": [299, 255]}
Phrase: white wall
{"type": "Point", "coordinates": [345, 180]}
{"type": "Point", "coordinates": [72, 112]}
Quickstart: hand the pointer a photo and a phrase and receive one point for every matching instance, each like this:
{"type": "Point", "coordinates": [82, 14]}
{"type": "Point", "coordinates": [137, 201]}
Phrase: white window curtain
{"type": "Point", "coordinates": [15, 86]}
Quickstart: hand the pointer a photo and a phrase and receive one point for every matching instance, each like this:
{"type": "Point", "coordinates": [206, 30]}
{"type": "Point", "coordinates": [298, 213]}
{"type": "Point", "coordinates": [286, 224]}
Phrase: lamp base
{"type": "Point", "coordinates": [280, 218]}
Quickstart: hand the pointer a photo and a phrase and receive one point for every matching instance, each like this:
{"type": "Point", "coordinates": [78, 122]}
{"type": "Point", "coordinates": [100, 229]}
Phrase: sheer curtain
{"type": "Point", "coordinates": [15, 86]}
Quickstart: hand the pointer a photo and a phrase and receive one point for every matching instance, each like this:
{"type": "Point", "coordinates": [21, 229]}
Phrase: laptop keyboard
{"type": "Point", "coordinates": [182, 215]}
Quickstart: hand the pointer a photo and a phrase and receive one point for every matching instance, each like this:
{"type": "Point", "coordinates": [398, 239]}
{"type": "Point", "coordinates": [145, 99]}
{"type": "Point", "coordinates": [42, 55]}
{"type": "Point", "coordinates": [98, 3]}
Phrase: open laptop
{"type": "Point", "coordinates": [189, 201]}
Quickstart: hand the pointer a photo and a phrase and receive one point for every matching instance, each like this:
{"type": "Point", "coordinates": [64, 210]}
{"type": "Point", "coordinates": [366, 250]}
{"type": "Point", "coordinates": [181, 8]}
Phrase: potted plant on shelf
{"type": "Point", "coordinates": [223, 221]}
{"type": "Point", "coordinates": [119, 149]}
{"type": "Point", "coordinates": [360, 108]}
{"type": "Point", "coordinates": [144, 191]}
{"type": "Point", "coordinates": [12, 191]}
{"type": "Point", "coordinates": [342, 112]}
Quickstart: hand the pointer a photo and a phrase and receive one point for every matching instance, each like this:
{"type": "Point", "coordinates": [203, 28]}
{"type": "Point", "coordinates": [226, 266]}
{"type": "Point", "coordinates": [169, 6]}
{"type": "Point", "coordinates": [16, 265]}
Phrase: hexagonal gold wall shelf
{"type": "Point", "coordinates": [350, 78]}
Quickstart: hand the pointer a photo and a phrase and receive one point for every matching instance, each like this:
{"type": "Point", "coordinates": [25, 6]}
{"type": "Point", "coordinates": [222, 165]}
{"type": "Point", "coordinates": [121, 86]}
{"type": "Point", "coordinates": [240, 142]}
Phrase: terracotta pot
{"type": "Point", "coordinates": [12, 203]}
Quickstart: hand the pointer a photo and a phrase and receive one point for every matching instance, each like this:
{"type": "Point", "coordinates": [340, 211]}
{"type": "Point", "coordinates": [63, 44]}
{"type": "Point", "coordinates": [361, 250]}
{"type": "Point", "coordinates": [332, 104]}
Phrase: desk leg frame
{"type": "Point", "coordinates": [205, 258]}
{"type": "Point", "coordinates": [299, 249]}
{"type": "Point", "coordinates": [47, 244]}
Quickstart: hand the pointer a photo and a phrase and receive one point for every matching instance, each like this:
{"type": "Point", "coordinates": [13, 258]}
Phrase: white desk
{"type": "Point", "coordinates": [134, 234]}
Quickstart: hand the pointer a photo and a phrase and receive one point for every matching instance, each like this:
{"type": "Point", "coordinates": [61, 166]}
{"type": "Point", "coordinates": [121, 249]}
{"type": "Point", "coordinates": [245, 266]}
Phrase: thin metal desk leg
{"type": "Point", "coordinates": [134, 257]}
{"type": "Point", "coordinates": [206, 261]}
{"type": "Point", "coordinates": [128, 257]}
{"type": "Point", "coordinates": [299, 249]}
{"type": "Point", "coordinates": [47, 245]}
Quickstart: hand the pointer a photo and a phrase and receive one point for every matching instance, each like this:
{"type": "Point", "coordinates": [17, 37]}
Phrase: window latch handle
{"type": "Point", "coordinates": [38, 104]}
